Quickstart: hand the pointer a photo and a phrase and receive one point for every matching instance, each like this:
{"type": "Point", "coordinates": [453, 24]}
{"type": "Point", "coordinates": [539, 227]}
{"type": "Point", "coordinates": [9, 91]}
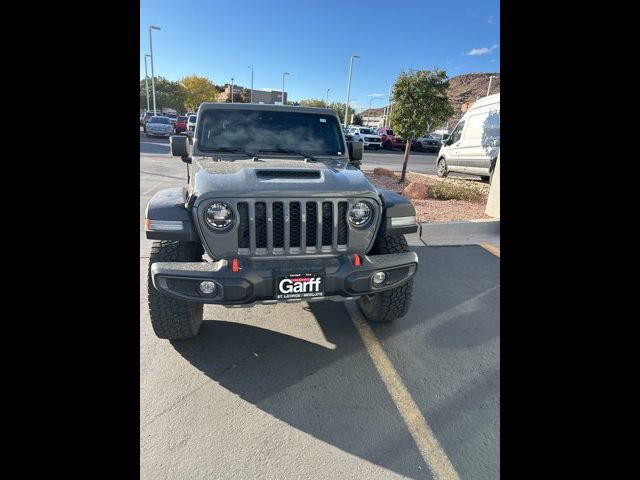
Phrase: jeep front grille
{"type": "Point", "coordinates": [292, 227]}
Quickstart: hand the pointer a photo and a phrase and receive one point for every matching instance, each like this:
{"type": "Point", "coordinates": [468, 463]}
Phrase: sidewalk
{"type": "Point", "coordinates": [475, 232]}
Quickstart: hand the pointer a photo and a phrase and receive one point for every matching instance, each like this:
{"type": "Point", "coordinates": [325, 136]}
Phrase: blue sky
{"type": "Point", "coordinates": [313, 42]}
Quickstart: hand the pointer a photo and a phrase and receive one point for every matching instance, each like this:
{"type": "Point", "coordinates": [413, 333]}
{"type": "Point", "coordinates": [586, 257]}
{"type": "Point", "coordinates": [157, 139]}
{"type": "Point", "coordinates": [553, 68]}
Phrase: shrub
{"type": "Point", "coordinates": [443, 190]}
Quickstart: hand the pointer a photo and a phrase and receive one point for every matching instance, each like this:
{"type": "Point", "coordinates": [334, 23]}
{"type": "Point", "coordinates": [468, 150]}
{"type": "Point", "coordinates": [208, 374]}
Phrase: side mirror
{"type": "Point", "coordinates": [445, 138]}
{"type": "Point", "coordinates": [179, 147]}
{"type": "Point", "coordinates": [356, 150]}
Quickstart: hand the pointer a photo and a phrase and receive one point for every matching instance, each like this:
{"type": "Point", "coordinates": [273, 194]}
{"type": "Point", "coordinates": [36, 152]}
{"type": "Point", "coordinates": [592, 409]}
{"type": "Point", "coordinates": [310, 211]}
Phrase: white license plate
{"type": "Point", "coordinates": [299, 285]}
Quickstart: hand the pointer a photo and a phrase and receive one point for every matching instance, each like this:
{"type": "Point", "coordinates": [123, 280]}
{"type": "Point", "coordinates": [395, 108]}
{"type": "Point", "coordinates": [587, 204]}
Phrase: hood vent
{"type": "Point", "coordinates": [287, 174]}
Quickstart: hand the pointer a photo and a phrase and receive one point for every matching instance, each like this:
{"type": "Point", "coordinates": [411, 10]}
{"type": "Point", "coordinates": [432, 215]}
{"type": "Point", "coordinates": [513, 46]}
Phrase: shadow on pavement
{"type": "Point", "coordinates": [337, 396]}
{"type": "Point", "coordinates": [154, 145]}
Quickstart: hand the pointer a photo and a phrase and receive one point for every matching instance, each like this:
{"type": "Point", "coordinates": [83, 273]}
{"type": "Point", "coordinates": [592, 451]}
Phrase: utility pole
{"type": "Point", "coordinates": [285, 73]}
{"type": "Point", "coordinates": [251, 67]}
{"type": "Point", "coordinates": [231, 89]}
{"type": "Point", "coordinates": [326, 104]}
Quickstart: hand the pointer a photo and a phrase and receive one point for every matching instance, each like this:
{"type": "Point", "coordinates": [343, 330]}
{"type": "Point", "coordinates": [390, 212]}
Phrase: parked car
{"type": "Point", "coordinates": [389, 139]}
{"type": "Point", "coordinates": [426, 143]}
{"type": "Point", "coordinates": [181, 124]}
{"type": "Point", "coordinates": [367, 136]}
{"type": "Point", "coordinates": [347, 136]}
{"type": "Point", "coordinates": [159, 127]}
{"type": "Point", "coordinates": [144, 119]}
{"type": "Point", "coordinates": [321, 232]}
{"type": "Point", "coordinates": [474, 144]}
{"type": "Point", "coordinates": [172, 117]}
{"type": "Point", "coordinates": [191, 124]}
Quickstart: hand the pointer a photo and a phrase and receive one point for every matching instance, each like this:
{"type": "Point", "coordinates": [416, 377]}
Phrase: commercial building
{"type": "Point", "coordinates": [266, 96]}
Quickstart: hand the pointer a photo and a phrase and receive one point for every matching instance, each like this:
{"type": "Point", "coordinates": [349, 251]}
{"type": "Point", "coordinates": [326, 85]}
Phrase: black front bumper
{"type": "Point", "coordinates": [255, 280]}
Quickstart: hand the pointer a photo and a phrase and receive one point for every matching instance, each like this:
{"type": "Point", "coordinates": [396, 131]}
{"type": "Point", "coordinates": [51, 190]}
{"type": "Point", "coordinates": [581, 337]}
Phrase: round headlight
{"type": "Point", "coordinates": [360, 214]}
{"type": "Point", "coordinates": [218, 215]}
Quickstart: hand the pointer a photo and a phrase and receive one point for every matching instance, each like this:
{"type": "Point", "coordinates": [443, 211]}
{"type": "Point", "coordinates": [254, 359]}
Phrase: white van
{"type": "Point", "coordinates": [473, 146]}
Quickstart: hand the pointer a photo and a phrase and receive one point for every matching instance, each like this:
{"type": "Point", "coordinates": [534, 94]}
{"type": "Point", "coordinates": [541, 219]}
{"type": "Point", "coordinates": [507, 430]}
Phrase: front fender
{"type": "Point", "coordinates": [167, 218]}
{"type": "Point", "coordinates": [396, 206]}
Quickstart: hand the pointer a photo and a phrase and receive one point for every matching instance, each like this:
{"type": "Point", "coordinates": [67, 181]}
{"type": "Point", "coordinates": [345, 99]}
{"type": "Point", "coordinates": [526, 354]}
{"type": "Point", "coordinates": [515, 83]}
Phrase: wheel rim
{"type": "Point", "coordinates": [441, 167]}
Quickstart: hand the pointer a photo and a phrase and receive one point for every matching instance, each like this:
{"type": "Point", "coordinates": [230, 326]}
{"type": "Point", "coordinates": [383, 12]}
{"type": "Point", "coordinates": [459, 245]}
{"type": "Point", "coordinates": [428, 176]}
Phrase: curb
{"type": "Point", "coordinates": [451, 229]}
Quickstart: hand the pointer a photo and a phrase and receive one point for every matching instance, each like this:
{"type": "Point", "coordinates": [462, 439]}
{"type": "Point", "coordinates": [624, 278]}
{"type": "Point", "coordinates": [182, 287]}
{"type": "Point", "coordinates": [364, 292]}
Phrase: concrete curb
{"type": "Point", "coordinates": [429, 230]}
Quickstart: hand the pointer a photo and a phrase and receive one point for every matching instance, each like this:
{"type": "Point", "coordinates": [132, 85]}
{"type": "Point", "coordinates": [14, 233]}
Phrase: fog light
{"type": "Point", "coordinates": [207, 287]}
{"type": "Point", "coordinates": [379, 278]}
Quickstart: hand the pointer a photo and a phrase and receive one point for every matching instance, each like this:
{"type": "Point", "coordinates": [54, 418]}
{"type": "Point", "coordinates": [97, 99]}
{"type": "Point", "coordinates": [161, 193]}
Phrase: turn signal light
{"type": "Point", "coordinates": [356, 260]}
{"type": "Point", "coordinates": [235, 267]}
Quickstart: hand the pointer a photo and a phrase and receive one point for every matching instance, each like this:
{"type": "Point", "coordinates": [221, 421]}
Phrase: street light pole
{"type": "Point", "coordinates": [285, 73]}
{"type": "Point", "coordinates": [153, 82]}
{"type": "Point", "coordinates": [346, 108]}
{"type": "Point", "coordinates": [146, 79]}
{"type": "Point", "coordinates": [489, 89]}
{"type": "Point", "coordinates": [251, 67]}
{"type": "Point", "coordinates": [327, 102]}
{"type": "Point", "coordinates": [231, 89]}
{"type": "Point", "coordinates": [387, 109]}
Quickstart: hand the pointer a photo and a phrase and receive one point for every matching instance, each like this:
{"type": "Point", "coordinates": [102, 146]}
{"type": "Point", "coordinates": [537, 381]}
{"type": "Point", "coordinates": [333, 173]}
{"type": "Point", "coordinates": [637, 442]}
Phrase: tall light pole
{"type": "Point", "coordinates": [153, 82]}
{"type": "Point", "coordinates": [489, 89]}
{"type": "Point", "coordinates": [371, 100]}
{"type": "Point", "coordinates": [345, 120]}
{"type": "Point", "coordinates": [346, 108]}
{"type": "Point", "coordinates": [251, 67]}
{"type": "Point", "coordinates": [285, 73]}
{"type": "Point", "coordinates": [146, 79]}
{"type": "Point", "coordinates": [327, 102]}
{"type": "Point", "coordinates": [387, 107]}
{"type": "Point", "coordinates": [231, 89]}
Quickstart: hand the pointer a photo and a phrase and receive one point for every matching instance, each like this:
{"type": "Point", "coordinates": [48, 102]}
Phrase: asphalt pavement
{"type": "Point", "coordinates": [299, 391]}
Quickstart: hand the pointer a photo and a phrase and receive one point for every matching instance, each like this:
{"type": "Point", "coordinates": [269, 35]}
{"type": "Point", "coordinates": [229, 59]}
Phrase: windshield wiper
{"type": "Point", "coordinates": [294, 152]}
{"type": "Point", "coordinates": [229, 150]}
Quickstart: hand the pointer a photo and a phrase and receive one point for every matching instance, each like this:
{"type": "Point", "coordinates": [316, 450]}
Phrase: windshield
{"type": "Point", "coordinates": [367, 131]}
{"type": "Point", "coordinates": [164, 120]}
{"type": "Point", "coordinates": [259, 130]}
{"type": "Point", "coordinates": [192, 118]}
{"type": "Point", "coordinates": [181, 119]}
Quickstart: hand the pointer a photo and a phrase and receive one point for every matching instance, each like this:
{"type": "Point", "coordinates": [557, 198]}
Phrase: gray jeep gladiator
{"type": "Point", "coordinates": [274, 210]}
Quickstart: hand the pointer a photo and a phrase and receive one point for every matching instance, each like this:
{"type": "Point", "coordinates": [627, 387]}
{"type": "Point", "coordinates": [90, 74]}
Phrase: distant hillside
{"type": "Point", "coordinates": [464, 90]}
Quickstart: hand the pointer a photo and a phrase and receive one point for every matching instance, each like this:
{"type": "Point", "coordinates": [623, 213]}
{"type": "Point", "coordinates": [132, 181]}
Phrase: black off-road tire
{"type": "Point", "coordinates": [441, 168]}
{"type": "Point", "coordinates": [171, 318]}
{"type": "Point", "coordinates": [391, 304]}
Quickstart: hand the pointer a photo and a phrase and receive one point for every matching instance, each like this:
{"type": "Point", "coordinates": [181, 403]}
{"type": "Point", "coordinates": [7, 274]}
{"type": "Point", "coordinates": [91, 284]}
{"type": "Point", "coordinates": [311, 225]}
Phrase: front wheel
{"type": "Point", "coordinates": [171, 318]}
{"type": "Point", "coordinates": [442, 168]}
{"type": "Point", "coordinates": [391, 304]}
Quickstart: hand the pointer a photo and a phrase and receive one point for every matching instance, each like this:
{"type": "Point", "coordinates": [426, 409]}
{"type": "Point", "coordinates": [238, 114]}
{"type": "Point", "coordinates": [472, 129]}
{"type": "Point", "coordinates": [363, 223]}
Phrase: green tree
{"type": "Point", "coordinates": [420, 100]}
{"type": "Point", "coordinates": [168, 94]}
{"type": "Point", "coordinates": [339, 108]}
{"type": "Point", "coordinates": [312, 102]}
{"type": "Point", "coordinates": [198, 90]}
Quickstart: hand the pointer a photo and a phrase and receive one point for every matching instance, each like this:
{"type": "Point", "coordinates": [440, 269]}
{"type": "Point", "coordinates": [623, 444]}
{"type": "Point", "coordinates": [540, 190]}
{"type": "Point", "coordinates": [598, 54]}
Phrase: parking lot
{"type": "Point", "coordinates": [310, 390]}
{"type": "Point", "coordinates": [419, 162]}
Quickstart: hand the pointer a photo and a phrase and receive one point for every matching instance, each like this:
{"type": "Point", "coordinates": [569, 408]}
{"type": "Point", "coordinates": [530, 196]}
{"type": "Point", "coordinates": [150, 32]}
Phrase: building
{"type": "Point", "coordinates": [373, 117]}
{"type": "Point", "coordinates": [266, 96]}
{"type": "Point", "coordinates": [271, 97]}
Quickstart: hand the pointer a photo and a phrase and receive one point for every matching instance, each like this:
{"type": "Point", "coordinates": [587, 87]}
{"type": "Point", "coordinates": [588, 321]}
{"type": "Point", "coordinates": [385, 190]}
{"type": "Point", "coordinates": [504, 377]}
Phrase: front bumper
{"type": "Point", "coordinates": [372, 144]}
{"type": "Point", "coordinates": [255, 280]}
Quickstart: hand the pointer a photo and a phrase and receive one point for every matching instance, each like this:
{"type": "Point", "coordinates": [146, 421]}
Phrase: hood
{"type": "Point", "coordinates": [278, 178]}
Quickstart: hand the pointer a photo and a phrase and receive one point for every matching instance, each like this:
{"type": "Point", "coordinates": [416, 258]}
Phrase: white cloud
{"type": "Point", "coordinates": [375, 95]}
{"type": "Point", "coordinates": [475, 52]}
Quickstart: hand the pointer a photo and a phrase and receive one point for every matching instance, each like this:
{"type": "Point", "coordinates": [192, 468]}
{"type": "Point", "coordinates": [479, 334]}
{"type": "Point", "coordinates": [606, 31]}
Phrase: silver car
{"type": "Point", "coordinates": [159, 127]}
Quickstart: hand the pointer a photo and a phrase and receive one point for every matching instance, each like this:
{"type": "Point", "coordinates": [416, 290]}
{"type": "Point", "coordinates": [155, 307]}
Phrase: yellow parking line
{"type": "Point", "coordinates": [433, 455]}
{"type": "Point", "coordinates": [491, 248]}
